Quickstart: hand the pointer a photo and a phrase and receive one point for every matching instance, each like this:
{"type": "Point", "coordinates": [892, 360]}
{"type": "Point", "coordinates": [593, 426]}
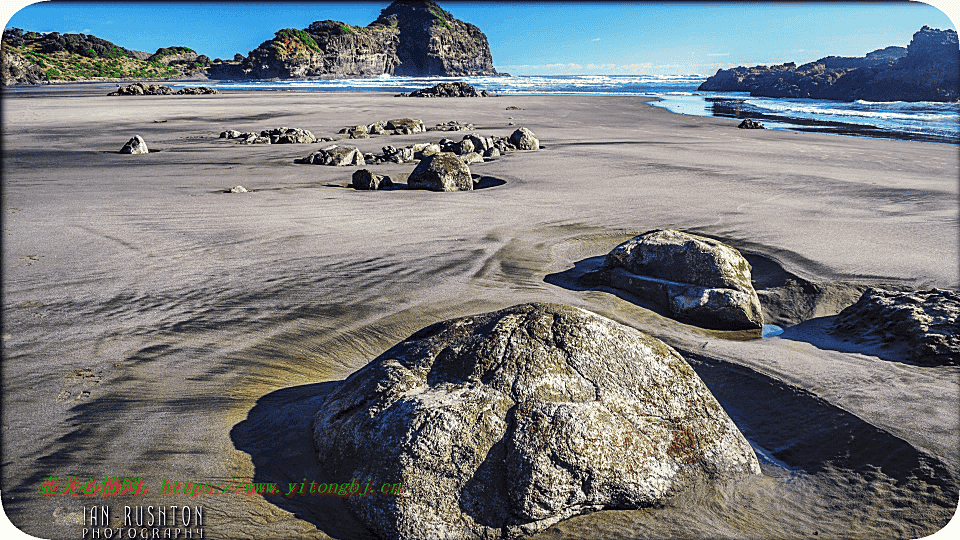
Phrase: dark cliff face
{"type": "Point", "coordinates": [409, 38]}
{"type": "Point", "coordinates": [927, 70]}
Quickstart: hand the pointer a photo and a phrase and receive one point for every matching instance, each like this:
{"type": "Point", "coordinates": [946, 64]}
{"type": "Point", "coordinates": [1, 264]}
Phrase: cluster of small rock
{"type": "Point", "coordinates": [927, 321]}
{"type": "Point", "coordinates": [398, 126]}
{"type": "Point", "coordinates": [141, 89]}
{"type": "Point", "coordinates": [471, 149]}
{"type": "Point", "coordinates": [454, 89]}
{"type": "Point", "coordinates": [282, 135]}
{"type": "Point", "coordinates": [334, 155]}
{"type": "Point", "coordinates": [452, 125]}
{"type": "Point", "coordinates": [751, 124]}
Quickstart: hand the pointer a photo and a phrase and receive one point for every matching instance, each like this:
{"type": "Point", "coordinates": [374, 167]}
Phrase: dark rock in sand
{"type": "Point", "coordinates": [355, 132]}
{"type": "Point", "coordinates": [452, 125]}
{"type": "Point", "coordinates": [505, 423]}
{"type": "Point", "coordinates": [285, 135]}
{"type": "Point", "coordinates": [364, 179]}
{"type": "Point", "coordinates": [339, 156]}
{"type": "Point", "coordinates": [135, 145]}
{"type": "Point", "coordinates": [926, 321]}
{"type": "Point", "coordinates": [750, 124]}
{"type": "Point", "coordinates": [397, 155]}
{"type": "Point", "coordinates": [697, 280]}
{"type": "Point", "coordinates": [524, 139]}
{"type": "Point", "coordinates": [441, 172]}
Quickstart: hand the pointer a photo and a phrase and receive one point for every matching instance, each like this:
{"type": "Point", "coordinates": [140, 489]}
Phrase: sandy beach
{"type": "Point", "coordinates": [156, 327]}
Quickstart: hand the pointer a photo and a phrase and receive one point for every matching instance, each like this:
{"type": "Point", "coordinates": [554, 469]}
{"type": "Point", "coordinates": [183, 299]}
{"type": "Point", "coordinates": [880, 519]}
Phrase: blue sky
{"type": "Point", "coordinates": [530, 38]}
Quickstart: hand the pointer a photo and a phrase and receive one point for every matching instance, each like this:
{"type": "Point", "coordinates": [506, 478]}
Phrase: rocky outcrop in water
{"type": "Point", "coordinates": [927, 70]}
{"type": "Point", "coordinates": [505, 423]}
{"type": "Point", "coordinates": [751, 124]}
{"type": "Point", "coordinates": [928, 322]}
{"type": "Point", "coordinates": [410, 38]}
{"type": "Point", "coordinates": [695, 279]}
{"type": "Point", "coordinates": [454, 89]}
{"type": "Point", "coordinates": [141, 89]}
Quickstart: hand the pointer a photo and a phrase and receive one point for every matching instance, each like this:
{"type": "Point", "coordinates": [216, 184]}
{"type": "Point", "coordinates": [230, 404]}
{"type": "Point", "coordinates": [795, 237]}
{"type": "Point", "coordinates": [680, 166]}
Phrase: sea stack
{"type": "Point", "coordinates": [414, 39]}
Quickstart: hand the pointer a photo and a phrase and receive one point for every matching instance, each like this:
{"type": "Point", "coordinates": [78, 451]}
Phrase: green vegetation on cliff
{"type": "Point", "coordinates": [74, 57]}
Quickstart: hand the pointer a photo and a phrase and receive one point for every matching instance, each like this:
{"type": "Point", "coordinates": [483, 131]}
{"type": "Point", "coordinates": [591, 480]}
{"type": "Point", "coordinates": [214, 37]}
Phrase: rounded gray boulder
{"type": "Point", "coordinates": [505, 423]}
{"type": "Point", "coordinates": [441, 172]}
{"type": "Point", "coordinates": [696, 279]}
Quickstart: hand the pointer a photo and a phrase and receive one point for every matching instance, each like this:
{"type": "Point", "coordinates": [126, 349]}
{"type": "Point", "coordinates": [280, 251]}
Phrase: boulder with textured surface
{"type": "Point", "coordinates": [928, 322]}
{"type": "Point", "coordinates": [339, 156]}
{"type": "Point", "coordinates": [405, 126]}
{"type": "Point", "coordinates": [287, 135]}
{"type": "Point", "coordinates": [524, 139]}
{"type": "Point", "coordinates": [695, 279]}
{"type": "Point", "coordinates": [136, 145]}
{"type": "Point", "coordinates": [441, 172]}
{"type": "Point", "coordinates": [505, 423]}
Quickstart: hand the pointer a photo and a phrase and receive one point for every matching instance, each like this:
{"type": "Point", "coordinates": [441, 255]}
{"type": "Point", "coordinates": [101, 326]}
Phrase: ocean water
{"type": "Point", "coordinates": [925, 121]}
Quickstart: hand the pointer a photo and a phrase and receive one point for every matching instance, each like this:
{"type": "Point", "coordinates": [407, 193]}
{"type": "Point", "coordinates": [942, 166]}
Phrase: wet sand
{"type": "Point", "coordinates": [156, 327]}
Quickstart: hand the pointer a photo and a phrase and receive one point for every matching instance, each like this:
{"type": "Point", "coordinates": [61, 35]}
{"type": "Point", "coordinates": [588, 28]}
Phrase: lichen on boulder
{"type": "Point", "coordinates": [441, 172]}
{"type": "Point", "coordinates": [505, 423]}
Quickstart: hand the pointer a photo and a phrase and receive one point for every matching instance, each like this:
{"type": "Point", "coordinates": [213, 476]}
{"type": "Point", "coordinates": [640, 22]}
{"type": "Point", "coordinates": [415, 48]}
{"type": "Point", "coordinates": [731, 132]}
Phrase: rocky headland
{"type": "Point", "coordinates": [926, 70]}
{"type": "Point", "coordinates": [414, 39]}
{"type": "Point", "coordinates": [409, 38]}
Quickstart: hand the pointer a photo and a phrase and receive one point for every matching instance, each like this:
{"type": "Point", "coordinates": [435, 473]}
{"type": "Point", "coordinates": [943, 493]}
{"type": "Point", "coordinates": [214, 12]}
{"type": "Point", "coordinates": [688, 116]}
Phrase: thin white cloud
{"type": "Point", "coordinates": [595, 39]}
{"type": "Point", "coordinates": [719, 54]}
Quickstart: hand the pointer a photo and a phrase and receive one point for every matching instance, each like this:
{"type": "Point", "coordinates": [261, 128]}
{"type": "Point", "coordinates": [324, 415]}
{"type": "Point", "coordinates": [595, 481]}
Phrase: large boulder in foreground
{"type": "Point", "coordinates": [697, 280]}
{"type": "Point", "coordinates": [927, 322]}
{"type": "Point", "coordinates": [505, 423]}
{"type": "Point", "coordinates": [441, 172]}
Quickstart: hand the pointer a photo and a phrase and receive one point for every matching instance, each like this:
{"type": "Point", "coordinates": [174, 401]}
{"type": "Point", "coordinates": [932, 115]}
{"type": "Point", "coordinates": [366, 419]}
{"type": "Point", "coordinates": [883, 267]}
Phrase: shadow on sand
{"type": "Point", "coordinates": [788, 426]}
{"type": "Point", "coordinates": [277, 434]}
